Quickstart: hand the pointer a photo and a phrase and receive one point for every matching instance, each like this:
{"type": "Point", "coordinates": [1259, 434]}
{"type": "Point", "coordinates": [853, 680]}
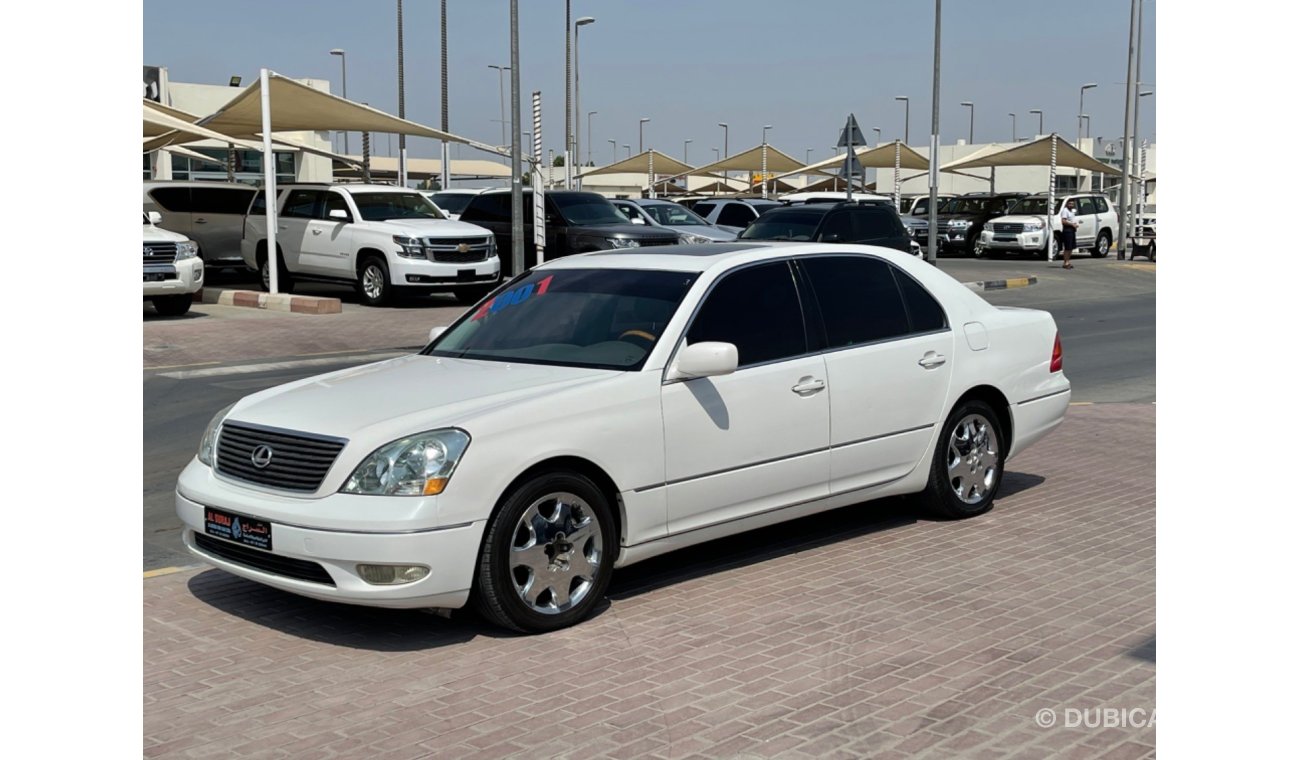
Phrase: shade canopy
{"type": "Point", "coordinates": [296, 107]}
{"type": "Point", "coordinates": [640, 164]}
{"type": "Point", "coordinates": [879, 157]}
{"type": "Point", "coordinates": [421, 168]}
{"type": "Point", "coordinates": [166, 126]}
{"type": "Point", "coordinates": [1035, 153]}
{"type": "Point", "coordinates": [751, 161]}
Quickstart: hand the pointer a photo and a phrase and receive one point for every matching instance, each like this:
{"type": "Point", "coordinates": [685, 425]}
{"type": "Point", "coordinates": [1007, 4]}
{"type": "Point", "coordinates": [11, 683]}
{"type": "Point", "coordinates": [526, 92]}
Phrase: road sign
{"type": "Point", "coordinates": [850, 135]}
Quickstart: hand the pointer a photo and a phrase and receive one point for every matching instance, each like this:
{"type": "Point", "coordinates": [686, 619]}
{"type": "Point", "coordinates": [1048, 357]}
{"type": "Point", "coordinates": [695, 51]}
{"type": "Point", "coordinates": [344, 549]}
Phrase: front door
{"type": "Point", "coordinates": [754, 440]}
{"type": "Point", "coordinates": [326, 248]}
{"type": "Point", "coordinates": [1086, 214]}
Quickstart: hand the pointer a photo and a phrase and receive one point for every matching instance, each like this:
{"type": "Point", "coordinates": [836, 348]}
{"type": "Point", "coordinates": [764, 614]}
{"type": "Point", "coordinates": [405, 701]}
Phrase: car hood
{"type": "Point", "coordinates": [409, 394]}
{"type": "Point", "coordinates": [154, 234]}
{"type": "Point", "coordinates": [712, 233]}
{"type": "Point", "coordinates": [639, 231]}
{"type": "Point", "coordinates": [1019, 219]}
{"type": "Point", "coordinates": [438, 228]}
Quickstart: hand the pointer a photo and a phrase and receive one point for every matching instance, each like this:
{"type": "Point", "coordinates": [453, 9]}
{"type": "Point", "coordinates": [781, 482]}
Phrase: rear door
{"type": "Point", "coordinates": [217, 217]}
{"type": "Point", "coordinates": [888, 352]}
{"type": "Point", "coordinates": [174, 203]}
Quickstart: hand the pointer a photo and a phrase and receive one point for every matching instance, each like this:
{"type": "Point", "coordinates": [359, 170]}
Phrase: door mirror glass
{"type": "Point", "coordinates": [338, 214]}
{"type": "Point", "coordinates": [436, 331]}
{"type": "Point", "coordinates": [155, 217]}
{"type": "Point", "coordinates": [637, 220]}
{"type": "Point", "coordinates": [706, 359]}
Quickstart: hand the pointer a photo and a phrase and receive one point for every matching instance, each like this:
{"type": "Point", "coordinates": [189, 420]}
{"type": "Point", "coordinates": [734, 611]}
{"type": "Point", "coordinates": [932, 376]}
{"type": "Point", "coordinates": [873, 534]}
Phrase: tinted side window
{"type": "Point", "coordinates": [258, 206]}
{"type": "Point", "coordinates": [736, 215]}
{"type": "Point", "coordinates": [923, 312]}
{"type": "Point", "coordinates": [172, 198]}
{"type": "Point", "coordinates": [301, 204]}
{"type": "Point", "coordinates": [757, 309]}
{"type": "Point", "coordinates": [1102, 205]}
{"type": "Point", "coordinates": [214, 200]}
{"type": "Point", "coordinates": [489, 207]}
{"type": "Point", "coordinates": [876, 223]}
{"type": "Point", "coordinates": [334, 202]}
{"type": "Point", "coordinates": [703, 208]}
{"type": "Point", "coordinates": [858, 299]}
{"type": "Point", "coordinates": [1086, 206]}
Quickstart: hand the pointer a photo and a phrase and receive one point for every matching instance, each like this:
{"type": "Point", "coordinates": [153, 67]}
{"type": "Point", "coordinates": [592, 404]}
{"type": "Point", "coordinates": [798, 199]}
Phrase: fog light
{"type": "Point", "coordinates": [391, 575]}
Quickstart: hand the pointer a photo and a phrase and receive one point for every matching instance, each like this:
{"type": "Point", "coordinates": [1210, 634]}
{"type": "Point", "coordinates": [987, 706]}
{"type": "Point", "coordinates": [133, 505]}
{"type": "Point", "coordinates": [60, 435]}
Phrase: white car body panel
{"type": "Point", "coordinates": [689, 460]}
{"type": "Point", "coordinates": [189, 272]}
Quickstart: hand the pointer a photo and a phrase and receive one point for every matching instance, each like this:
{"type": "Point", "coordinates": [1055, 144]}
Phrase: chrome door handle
{"type": "Point", "coordinates": [932, 360]}
{"type": "Point", "coordinates": [283, 227]}
{"type": "Point", "coordinates": [807, 386]}
{"type": "Point", "coordinates": [200, 221]}
{"type": "Point", "coordinates": [315, 232]}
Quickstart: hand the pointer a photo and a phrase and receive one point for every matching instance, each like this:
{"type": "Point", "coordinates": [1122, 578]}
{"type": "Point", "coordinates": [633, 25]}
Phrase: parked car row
{"type": "Point", "coordinates": [173, 271]}
{"type": "Point", "coordinates": [1024, 229]}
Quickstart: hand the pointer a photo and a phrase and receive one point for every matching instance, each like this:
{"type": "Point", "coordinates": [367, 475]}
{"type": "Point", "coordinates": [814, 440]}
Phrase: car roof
{"type": "Point", "coordinates": [458, 191]}
{"type": "Point", "coordinates": [149, 183]}
{"type": "Point", "coordinates": [707, 256]}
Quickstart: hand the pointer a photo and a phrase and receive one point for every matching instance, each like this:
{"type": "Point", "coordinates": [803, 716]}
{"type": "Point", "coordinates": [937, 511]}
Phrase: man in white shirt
{"type": "Point", "coordinates": [1068, 225]}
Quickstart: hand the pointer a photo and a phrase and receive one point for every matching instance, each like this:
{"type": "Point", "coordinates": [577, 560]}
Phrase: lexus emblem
{"type": "Point", "coordinates": [462, 248]}
{"type": "Point", "coordinates": [148, 251]}
{"type": "Point", "coordinates": [262, 456]}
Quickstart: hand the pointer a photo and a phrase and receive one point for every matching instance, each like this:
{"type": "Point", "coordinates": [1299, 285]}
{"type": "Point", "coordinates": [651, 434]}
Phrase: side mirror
{"type": "Point", "coordinates": [637, 220]}
{"type": "Point", "coordinates": [436, 331]}
{"type": "Point", "coordinates": [707, 359]}
{"type": "Point", "coordinates": [339, 214]}
{"type": "Point", "coordinates": [155, 217]}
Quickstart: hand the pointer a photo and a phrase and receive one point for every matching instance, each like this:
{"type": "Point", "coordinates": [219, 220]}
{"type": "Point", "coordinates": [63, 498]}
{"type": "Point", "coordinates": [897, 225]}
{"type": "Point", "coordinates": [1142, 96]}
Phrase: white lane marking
{"type": "Point", "coordinates": [245, 369]}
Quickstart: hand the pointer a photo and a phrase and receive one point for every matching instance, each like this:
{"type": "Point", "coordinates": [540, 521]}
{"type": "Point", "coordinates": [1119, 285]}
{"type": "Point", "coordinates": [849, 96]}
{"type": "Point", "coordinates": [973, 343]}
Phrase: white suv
{"type": "Point", "coordinates": [173, 270]}
{"type": "Point", "coordinates": [378, 238]}
{"type": "Point", "coordinates": [1021, 231]}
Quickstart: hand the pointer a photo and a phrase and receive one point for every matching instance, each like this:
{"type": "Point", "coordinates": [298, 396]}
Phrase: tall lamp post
{"type": "Point", "coordinates": [577, 92]}
{"type": "Point", "coordinates": [629, 149]}
{"type": "Point", "coordinates": [502, 79]}
{"type": "Point", "coordinates": [1038, 111]}
{"type": "Point", "coordinates": [613, 150]}
{"type": "Point", "coordinates": [343, 58]}
{"type": "Point", "coordinates": [1013, 126]}
{"type": "Point", "coordinates": [686, 156]}
{"type": "Point", "coordinates": [907, 118]}
{"type": "Point", "coordinates": [589, 137]}
{"type": "Point", "coordinates": [640, 145]}
{"type": "Point", "coordinates": [877, 131]}
{"type": "Point", "coordinates": [807, 156]}
{"type": "Point", "coordinates": [971, 138]}
{"type": "Point", "coordinates": [1079, 142]}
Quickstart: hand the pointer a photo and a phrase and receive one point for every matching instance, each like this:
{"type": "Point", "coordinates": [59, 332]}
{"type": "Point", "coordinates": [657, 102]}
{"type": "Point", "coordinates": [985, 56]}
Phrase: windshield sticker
{"type": "Point", "coordinates": [512, 297]}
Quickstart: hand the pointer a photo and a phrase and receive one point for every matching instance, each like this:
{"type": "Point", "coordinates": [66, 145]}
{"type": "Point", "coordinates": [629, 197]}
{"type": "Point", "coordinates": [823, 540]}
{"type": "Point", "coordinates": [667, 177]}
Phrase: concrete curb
{"type": "Point", "coordinates": [1014, 282]}
{"type": "Point", "coordinates": [270, 301]}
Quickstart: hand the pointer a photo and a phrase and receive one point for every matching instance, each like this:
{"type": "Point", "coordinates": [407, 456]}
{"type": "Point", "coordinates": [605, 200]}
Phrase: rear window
{"type": "Point", "coordinates": [489, 207]}
{"type": "Point", "coordinates": [220, 200]}
{"type": "Point", "coordinates": [703, 208]}
{"type": "Point", "coordinates": [172, 198]}
{"type": "Point", "coordinates": [876, 223]}
{"type": "Point", "coordinates": [792, 224]}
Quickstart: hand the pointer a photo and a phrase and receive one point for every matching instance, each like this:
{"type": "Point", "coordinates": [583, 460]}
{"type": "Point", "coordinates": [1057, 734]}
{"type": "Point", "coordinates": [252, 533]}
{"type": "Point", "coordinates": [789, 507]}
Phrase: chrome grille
{"type": "Point", "coordinates": [159, 253]}
{"type": "Point", "coordinates": [299, 461]}
{"type": "Point", "coordinates": [457, 250]}
{"type": "Point", "coordinates": [1008, 227]}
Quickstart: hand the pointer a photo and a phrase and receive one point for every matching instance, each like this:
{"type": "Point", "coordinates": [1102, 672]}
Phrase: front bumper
{"type": "Point", "coordinates": [450, 553]}
{"type": "Point", "coordinates": [436, 275]}
{"type": "Point", "coordinates": [948, 238]}
{"type": "Point", "coordinates": [177, 278]}
{"type": "Point", "coordinates": [1013, 241]}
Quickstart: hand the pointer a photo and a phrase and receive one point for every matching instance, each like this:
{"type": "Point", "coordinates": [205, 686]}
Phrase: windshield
{"type": "Point", "coordinates": [378, 207]}
{"type": "Point", "coordinates": [905, 204]}
{"type": "Point", "coordinates": [587, 210]}
{"type": "Point", "coordinates": [600, 318]}
{"type": "Point", "coordinates": [784, 225]}
{"type": "Point", "coordinates": [1034, 206]}
{"type": "Point", "coordinates": [452, 203]}
{"type": "Point", "coordinates": [672, 215]}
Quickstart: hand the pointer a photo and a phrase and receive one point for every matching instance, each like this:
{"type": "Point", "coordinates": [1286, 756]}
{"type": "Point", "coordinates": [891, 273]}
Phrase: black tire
{"type": "Point", "coordinates": [1101, 248]}
{"type": "Point", "coordinates": [940, 496]}
{"type": "Point", "coordinates": [497, 592]}
{"type": "Point", "coordinates": [285, 280]}
{"type": "Point", "coordinates": [374, 286]}
{"type": "Point", "coordinates": [472, 295]}
{"type": "Point", "coordinates": [173, 306]}
{"type": "Point", "coordinates": [1151, 251]}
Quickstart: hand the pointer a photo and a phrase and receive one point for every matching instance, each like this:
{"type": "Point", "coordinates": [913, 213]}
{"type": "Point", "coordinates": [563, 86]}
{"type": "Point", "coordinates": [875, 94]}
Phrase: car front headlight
{"type": "Point", "coordinates": [622, 243]}
{"type": "Point", "coordinates": [208, 443]}
{"type": "Point", "coordinates": [959, 223]}
{"type": "Point", "coordinates": [186, 250]}
{"type": "Point", "coordinates": [1033, 226]}
{"type": "Point", "coordinates": [419, 465]}
{"type": "Point", "coordinates": [409, 247]}
{"type": "Point", "coordinates": [692, 239]}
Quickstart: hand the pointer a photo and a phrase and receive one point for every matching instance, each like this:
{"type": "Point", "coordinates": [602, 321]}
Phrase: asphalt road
{"type": "Point", "coordinates": [1106, 312]}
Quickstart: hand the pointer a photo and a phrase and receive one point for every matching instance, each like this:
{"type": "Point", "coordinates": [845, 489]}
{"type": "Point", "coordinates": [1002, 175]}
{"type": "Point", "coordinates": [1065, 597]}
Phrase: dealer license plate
{"type": "Point", "coordinates": [241, 529]}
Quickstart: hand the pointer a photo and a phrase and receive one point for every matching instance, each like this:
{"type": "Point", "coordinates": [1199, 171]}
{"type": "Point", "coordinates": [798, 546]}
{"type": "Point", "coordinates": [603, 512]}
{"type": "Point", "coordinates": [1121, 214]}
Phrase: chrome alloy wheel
{"type": "Point", "coordinates": [372, 282]}
{"type": "Point", "coordinates": [555, 553]}
{"type": "Point", "coordinates": [266, 276]}
{"type": "Point", "coordinates": [972, 458]}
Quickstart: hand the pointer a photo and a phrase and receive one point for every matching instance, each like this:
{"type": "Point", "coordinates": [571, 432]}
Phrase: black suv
{"type": "Point", "coordinates": [962, 219]}
{"type": "Point", "coordinates": [576, 222]}
{"type": "Point", "coordinates": [866, 223]}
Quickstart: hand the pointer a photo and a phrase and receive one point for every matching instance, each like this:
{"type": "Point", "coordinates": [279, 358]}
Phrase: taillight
{"type": "Point", "coordinates": [1057, 356]}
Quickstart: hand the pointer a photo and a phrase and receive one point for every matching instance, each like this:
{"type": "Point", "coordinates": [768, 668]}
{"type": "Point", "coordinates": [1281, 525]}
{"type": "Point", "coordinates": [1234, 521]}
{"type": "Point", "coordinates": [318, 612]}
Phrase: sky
{"type": "Point", "coordinates": [687, 65]}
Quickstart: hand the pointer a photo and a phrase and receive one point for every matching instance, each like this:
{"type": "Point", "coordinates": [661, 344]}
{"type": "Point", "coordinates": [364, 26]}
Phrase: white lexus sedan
{"type": "Point", "coordinates": [605, 408]}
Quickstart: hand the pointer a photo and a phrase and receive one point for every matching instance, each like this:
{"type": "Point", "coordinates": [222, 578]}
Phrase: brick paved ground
{"type": "Point", "coordinates": [864, 633]}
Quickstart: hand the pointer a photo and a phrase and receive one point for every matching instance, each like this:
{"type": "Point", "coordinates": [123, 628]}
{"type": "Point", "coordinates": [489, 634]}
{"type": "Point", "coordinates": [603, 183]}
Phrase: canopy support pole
{"type": "Point", "coordinates": [898, 157]}
{"type": "Point", "coordinates": [1051, 204]}
{"type": "Point", "coordinates": [268, 182]}
{"type": "Point", "coordinates": [539, 190]}
{"type": "Point", "coordinates": [651, 171]}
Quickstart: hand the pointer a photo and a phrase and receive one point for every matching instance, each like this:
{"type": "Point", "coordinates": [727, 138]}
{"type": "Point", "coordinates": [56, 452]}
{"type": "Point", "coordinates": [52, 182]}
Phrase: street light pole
{"type": "Point", "coordinates": [401, 99]}
{"type": "Point", "coordinates": [1130, 103]}
{"type": "Point", "coordinates": [907, 118]}
{"type": "Point", "coordinates": [577, 91]}
{"type": "Point", "coordinates": [568, 93]}
{"type": "Point", "coordinates": [1013, 126]}
{"type": "Point", "coordinates": [932, 237]}
{"type": "Point", "coordinates": [629, 149]}
{"type": "Point", "coordinates": [640, 146]}
{"type": "Point", "coordinates": [589, 137]}
{"type": "Point", "coordinates": [446, 147]}
{"type": "Point", "coordinates": [1078, 143]}
{"type": "Point", "coordinates": [971, 138]}
{"type": "Point", "coordinates": [807, 156]}
{"type": "Point", "coordinates": [516, 150]}
{"type": "Point", "coordinates": [877, 131]}
{"type": "Point", "coordinates": [725, 154]}
{"type": "Point", "coordinates": [1038, 111]}
{"type": "Point", "coordinates": [343, 58]}
{"type": "Point", "coordinates": [501, 70]}
{"type": "Point", "coordinates": [613, 150]}
{"type": "Point", "coordinates": [686, 156]}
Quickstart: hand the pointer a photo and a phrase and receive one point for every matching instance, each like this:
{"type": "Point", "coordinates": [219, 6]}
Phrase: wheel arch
{"type": "Point", "coordinates": [577, 464]}
{"type": "Point", "coordinates": [366, 253]}
{"type": "Point", "coordinates": [1001, 406]}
